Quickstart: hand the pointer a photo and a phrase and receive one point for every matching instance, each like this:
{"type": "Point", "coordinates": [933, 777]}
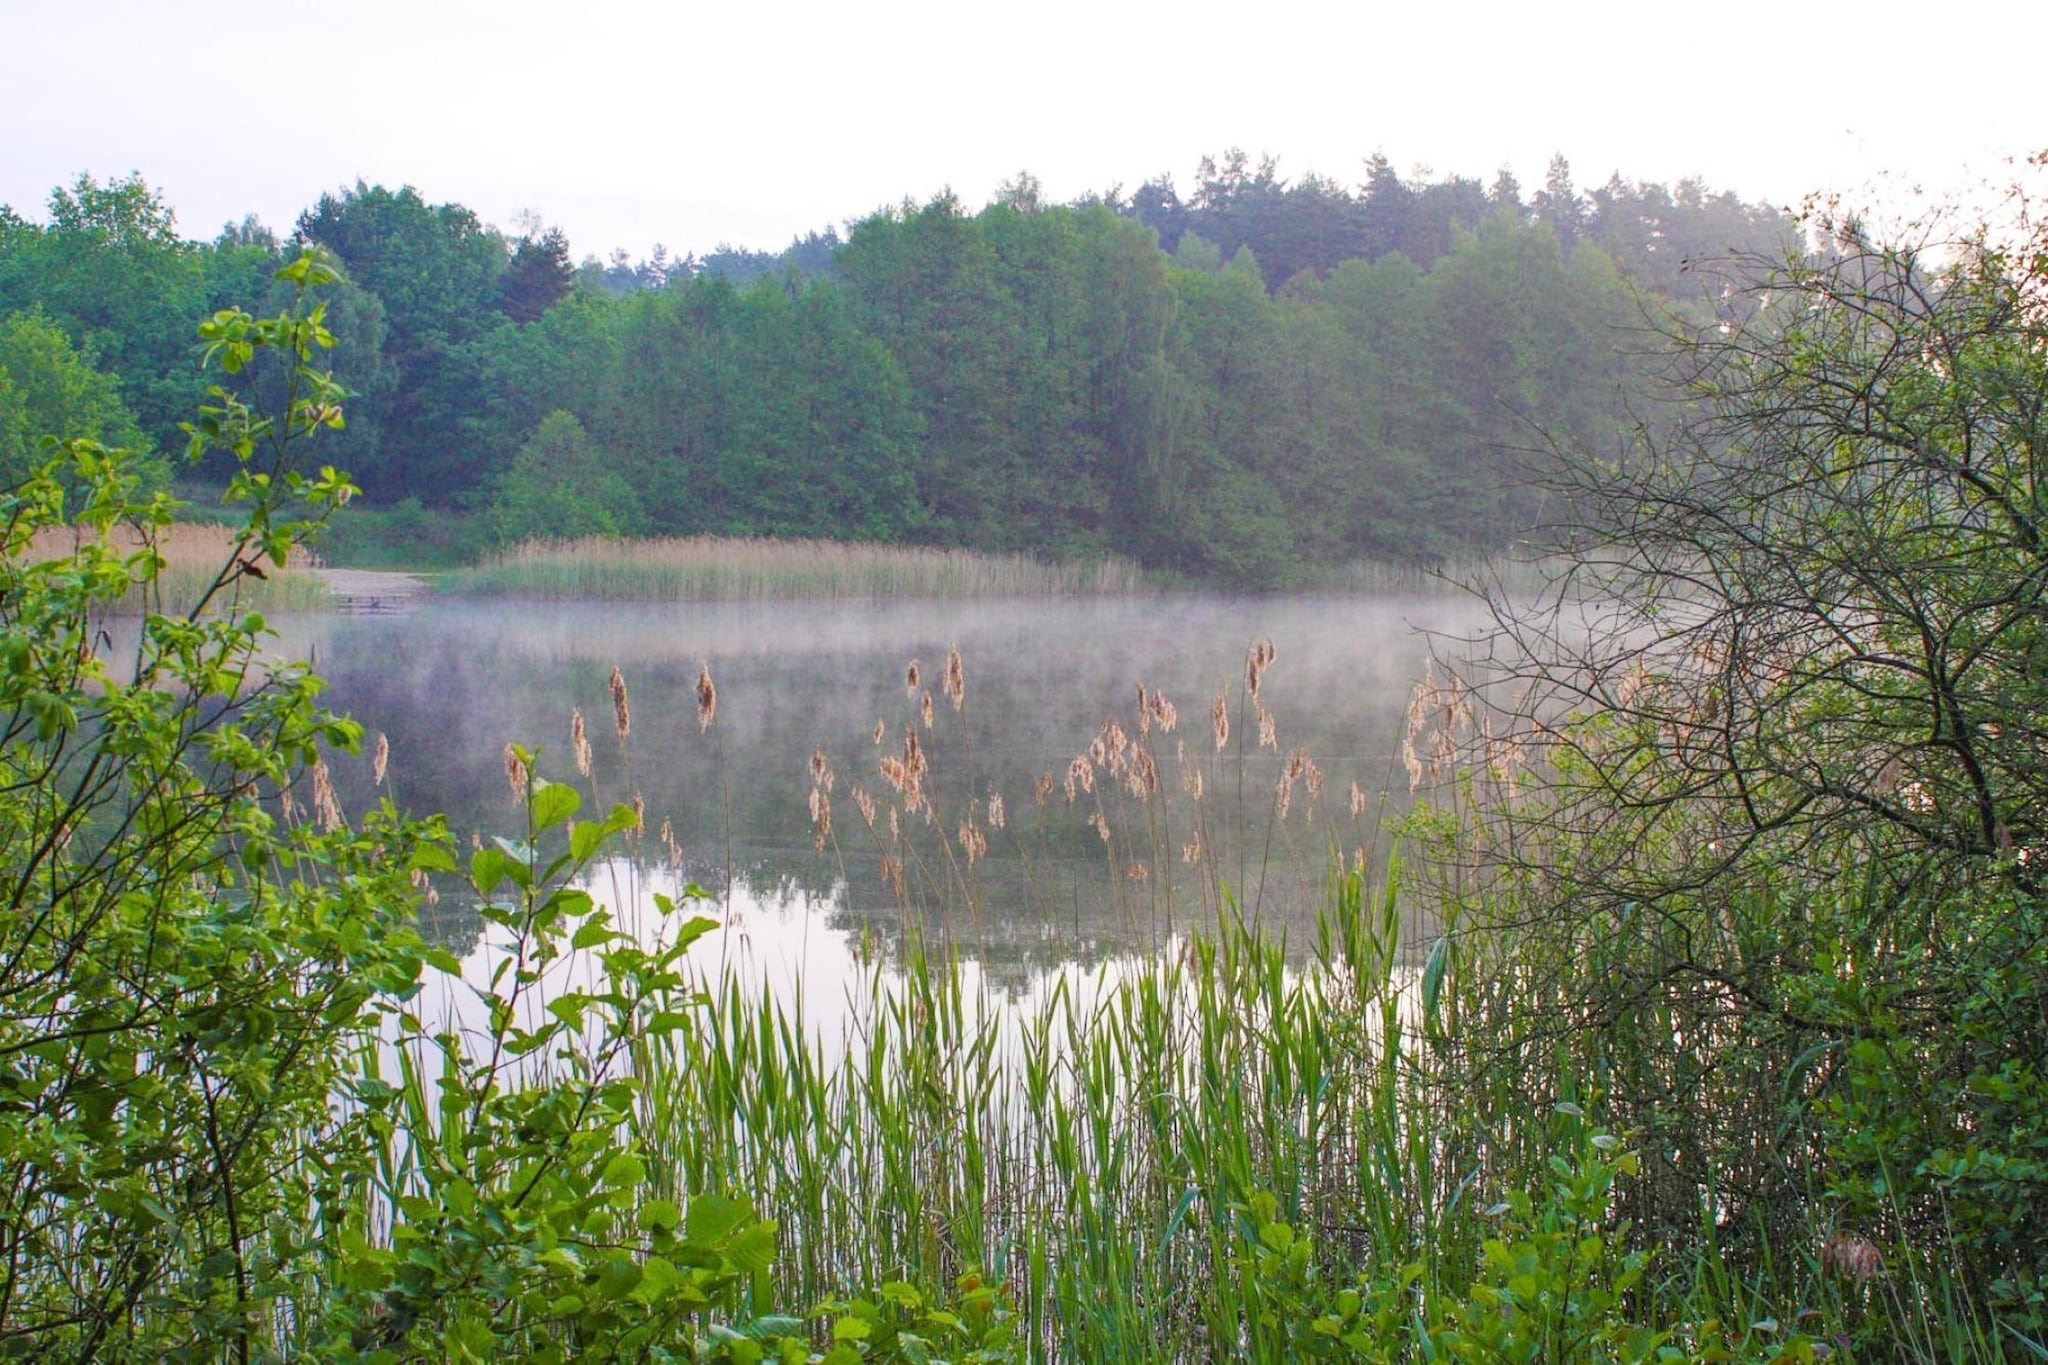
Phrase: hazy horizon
{"type": "Point", "coordinates": [640, 124]}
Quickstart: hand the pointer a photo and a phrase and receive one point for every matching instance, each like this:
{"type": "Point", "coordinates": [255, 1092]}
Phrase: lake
{"type": "Point", "coordinates": [987, 849]}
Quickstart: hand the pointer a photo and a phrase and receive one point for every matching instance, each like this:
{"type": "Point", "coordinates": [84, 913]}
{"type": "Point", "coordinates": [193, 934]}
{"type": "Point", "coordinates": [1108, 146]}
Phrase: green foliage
{"type": "Point", "coordinates": [561, 486]}
{"type": "Point", "coordinates": [1031, 377]}
{"type": "Point", "coordinates": [1777, 887]}
{"type": "Point", "coordinates": [502, 1155]}
{"type": "Point", "coordinates": [1556, 1281]}
{"type": "Point", "coordinates": [47, 389]}
{"type": "Point", "coordinates": [111, 270]}
{"type": "Point", "coordinates": [183, 962]}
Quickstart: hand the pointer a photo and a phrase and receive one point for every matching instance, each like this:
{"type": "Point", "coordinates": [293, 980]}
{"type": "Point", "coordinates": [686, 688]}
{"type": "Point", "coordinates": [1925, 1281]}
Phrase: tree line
{"type": "Point", "coordinates": [1246, 384]}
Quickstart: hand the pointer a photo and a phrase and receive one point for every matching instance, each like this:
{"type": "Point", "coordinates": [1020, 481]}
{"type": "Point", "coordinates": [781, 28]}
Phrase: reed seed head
{"type": "Point", "coordinates": [956, 679]}
{"type": "Point", "coordinates": [1853, 1256]}
{"type": "Point", "coordinates": [639, 814]}
{"type": "Point", "coordinates": [924, 709]}
{"type": "Point", "coordinates": [579, 743]}
{"type": "Point", "coordinates": [1141, 777]}
{"type": "Point", "coordinates": [380, 760]}
{"type": "Point", "coordinates": [326, 809]}
{"type": "Point", "coordinates": [1256, 661]}
{"type": "Point", "coordinates": [515, 774]}
{"type": "Point", "coordinates": [996, 813]}
{"type": "Point", "coordinates": [707, 698]}
{"type": "Point", "coordinates": [913, 678]}
{"type": "Point", "coordinates": [622, 712]}
{"type": "Point", "coordinates": [1080, 776]}
{"type": "Point", "coordinates": [821, 818]}
{"type": "Point", "coordinates": [1219, 718]}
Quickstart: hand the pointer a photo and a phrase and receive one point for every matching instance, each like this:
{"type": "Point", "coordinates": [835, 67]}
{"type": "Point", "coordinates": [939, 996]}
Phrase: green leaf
{"type": "Point", "coordinates": [432, 858]}
{"type": "Point", "coordinates": [753, 1249]}
{"type": "Point", "coordinates": [553, 802]}
{"type": "Point", "coordinates": [594, 931]}
{"type": "Point", "coordinates": [712, 1217]}
{"type": "Point", "coordinates": [1433, 975]}
{"type": "Point", "coordinates": [490, 867]}
{"type": "Point", "coordinates": [586, 839]}
{"type": "Point", "coordinates": [660, 1215]}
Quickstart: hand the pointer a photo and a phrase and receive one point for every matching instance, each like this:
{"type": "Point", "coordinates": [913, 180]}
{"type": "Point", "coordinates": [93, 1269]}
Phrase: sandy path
{"type": "Point", "coordinates": [375, 588]}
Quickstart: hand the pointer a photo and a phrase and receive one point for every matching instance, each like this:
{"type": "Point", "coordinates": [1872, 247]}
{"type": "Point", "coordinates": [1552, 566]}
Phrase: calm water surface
{"type": "Point", "coordinates": [451, 683]}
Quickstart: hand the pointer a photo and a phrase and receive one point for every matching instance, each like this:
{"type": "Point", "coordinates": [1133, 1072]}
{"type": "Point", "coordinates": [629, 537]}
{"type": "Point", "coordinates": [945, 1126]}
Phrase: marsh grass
{"type": "Point", "coordinates": [1100, 1145]}
{"type": "Point", "coordinates": [707, 568]}
{"type": "Point", "coordinates": [198, 559]}
{"type": "Point", "coordinates": [1123, 1144]}
{"type": "Point", "coordinates": [1214, 1151]}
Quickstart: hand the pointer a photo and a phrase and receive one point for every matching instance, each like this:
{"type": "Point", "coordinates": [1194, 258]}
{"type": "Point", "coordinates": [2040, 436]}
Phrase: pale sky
{"type": "Point", "coordinates": [631, 122]}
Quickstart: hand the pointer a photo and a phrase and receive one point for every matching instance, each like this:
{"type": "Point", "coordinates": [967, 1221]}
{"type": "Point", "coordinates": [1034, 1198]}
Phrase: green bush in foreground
{"type": "Point", "coordinates": [225, 1135]}
{"type": "Point", "coordinates": [182, 969]}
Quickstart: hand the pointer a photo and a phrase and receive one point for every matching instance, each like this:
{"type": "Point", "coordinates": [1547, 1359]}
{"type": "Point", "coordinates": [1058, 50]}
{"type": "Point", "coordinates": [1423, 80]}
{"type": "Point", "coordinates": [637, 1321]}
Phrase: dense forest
{"type": "Point", "coordinates": [1264, 378]}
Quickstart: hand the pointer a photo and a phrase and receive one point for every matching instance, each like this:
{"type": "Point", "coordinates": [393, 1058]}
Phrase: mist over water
{"type": "Point", "coordinates": [451, 683]}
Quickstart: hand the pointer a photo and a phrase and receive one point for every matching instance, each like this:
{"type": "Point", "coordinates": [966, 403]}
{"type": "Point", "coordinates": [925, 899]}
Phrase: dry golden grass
{"type": "Point", "coordinates": [193, 556]}
{"type": "Point", "coordinates": [699, 568]}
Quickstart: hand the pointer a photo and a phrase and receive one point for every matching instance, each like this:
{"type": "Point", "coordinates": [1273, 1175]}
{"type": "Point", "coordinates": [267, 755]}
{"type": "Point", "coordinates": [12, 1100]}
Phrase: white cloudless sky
{"type": "Point", "coordinates": [632, 122]}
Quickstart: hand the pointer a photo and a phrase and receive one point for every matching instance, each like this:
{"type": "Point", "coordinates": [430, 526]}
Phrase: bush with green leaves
{"type": "Point", "coordinates": [183, 963]}
{"type": "Point", "coordinates": [1775, 882]}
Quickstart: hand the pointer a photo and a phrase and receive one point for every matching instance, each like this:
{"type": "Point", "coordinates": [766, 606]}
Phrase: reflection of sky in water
{"type": "Point", "coordinates": [829, 982]}
{"type": "Point", "coordinates": [451, 683]}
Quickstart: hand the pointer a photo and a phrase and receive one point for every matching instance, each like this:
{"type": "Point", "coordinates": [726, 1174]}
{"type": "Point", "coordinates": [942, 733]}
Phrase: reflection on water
{"type": "Point", "coordinates": [1060, 880]}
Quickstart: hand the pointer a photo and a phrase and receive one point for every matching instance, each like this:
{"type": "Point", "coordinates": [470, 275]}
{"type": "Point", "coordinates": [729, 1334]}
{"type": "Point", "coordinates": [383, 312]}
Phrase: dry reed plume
{"type": "Point", "coordinates": [707, 698]}
{"type": "Point", "coordinates": [622, 711]}
{"type": "Point", "coordinates": [579, 743]}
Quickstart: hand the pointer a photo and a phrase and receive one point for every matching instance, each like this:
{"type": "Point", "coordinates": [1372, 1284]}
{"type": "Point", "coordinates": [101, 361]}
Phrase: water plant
{"type": "Point", "coordinates": [698, 568]}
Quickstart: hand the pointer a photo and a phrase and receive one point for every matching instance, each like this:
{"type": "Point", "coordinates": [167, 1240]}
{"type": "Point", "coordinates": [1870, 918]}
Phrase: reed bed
{"type": "Point", "coordinates": [1101, 1146]}
{"type": "Point", "coordinates": [709, 568]}
{"type": "Point", "coordinates": [1237, 1147]}
{"type": "Point", "coordinates": [196, 558]}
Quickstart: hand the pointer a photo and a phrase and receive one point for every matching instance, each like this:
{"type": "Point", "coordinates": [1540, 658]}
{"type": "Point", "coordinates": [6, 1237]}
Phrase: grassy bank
{"type": "Point", "coordinates": [699, 568]}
